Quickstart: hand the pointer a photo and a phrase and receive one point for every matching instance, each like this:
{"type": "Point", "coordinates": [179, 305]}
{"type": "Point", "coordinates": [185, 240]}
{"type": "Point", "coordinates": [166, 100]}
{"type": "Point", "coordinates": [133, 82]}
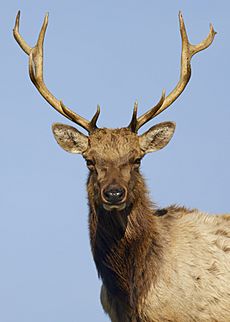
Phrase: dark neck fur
{"type": "Point", "coordinates": [124, 245]}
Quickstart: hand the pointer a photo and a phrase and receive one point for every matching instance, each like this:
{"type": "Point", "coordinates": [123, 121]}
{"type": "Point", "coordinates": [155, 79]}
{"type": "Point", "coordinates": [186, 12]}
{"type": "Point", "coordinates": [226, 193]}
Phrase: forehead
{"type": "Point", "coordinates": [113, 143]}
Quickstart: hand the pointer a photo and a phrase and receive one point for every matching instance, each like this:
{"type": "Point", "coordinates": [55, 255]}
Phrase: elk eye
{"type": "Point", "coordinates": [90, 164]}
{"type": "Point", "coordinates": [137, 162]}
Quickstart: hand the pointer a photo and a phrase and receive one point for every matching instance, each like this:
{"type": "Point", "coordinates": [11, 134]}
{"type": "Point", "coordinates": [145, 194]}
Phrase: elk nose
{"type": "Point", "coordinates": [114, 195]}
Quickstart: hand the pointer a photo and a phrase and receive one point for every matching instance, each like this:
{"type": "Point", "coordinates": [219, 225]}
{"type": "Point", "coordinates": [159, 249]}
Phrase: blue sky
{"type": "Point", "coordinates": [111, 53]}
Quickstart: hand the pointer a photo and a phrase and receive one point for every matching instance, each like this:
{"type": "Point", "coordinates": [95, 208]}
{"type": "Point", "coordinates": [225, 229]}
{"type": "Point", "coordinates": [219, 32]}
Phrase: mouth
{"type": "Point", "coordinates": [113, 207]}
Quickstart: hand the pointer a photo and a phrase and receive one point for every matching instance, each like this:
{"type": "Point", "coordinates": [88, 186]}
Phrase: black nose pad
{"type": "Point", "coordinates": [114, 195]}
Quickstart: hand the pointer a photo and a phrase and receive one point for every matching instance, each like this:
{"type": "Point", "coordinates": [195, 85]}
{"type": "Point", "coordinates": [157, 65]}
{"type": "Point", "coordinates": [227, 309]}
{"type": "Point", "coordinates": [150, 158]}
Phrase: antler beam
{"type": "Point", "coordinates": [188, 51]}
{"type": "Point", "coordinates": [36, 75]}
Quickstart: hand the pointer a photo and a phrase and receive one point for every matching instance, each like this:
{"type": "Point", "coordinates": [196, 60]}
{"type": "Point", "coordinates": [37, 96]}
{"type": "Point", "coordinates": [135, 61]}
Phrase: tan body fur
{"type": "Point", "coordinates": [193, 278]}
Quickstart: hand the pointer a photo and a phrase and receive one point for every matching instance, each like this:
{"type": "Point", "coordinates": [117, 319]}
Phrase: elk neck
{"type": "Point", "coordinates": [127, 245]}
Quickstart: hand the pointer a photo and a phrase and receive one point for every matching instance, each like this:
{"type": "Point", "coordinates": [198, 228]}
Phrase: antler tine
{"type": "Point", "coordinates": [91, 126]}
{"type": "Point", "coordinates": [136, 123]}
{"type": "Point", "coordinates": [27, 49]}
{"type": "Point", "coordinates": [133, 123]}
{"type": "Point", "coordinates": [188, 51]}
{"type": "Point", "coordinates": [36, 76]}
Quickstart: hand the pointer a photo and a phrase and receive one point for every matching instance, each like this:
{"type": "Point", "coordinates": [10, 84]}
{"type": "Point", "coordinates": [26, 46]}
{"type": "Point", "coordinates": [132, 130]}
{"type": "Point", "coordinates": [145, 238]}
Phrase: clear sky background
{"type": "Point", "coordinates": [111, 53]}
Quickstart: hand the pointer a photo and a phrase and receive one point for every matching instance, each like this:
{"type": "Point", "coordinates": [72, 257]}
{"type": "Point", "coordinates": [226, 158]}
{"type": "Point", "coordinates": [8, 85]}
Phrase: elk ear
{"type": "Point", "coordinates": [157, 137]}
{"type": "Point", "coordinates": [69, 138]}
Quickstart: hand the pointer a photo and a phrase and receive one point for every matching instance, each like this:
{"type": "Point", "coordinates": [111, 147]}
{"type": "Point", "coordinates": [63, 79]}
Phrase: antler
{"type": "Point", "coordinates": [36, 75]}
{"type": "Point", "coordinates": [135, 123]}
{"type": "Point", "coordinates": [188, 51]}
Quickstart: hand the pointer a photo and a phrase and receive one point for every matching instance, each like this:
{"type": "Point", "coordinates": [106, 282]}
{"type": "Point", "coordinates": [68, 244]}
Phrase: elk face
{"type": "Point", "coordinates": [113, 157]}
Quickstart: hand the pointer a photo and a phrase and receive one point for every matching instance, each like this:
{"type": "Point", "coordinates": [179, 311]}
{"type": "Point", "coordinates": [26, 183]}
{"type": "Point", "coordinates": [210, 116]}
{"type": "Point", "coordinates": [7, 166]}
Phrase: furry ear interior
{"type": "Point", "coordinates": [69, 138]}
{"type": "Point", "coordinates": [157, 137]}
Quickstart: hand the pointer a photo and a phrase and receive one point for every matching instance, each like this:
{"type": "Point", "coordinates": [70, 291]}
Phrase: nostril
{"type": "Point", "coordinates": [114, 195]}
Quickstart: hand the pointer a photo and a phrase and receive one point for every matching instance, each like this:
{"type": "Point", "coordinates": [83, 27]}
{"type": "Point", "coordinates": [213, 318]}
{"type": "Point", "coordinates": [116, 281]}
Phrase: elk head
{"type": "Point", "coordinates": [113, 156]}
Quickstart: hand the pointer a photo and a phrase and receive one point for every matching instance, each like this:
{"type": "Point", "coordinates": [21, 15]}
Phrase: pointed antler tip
{"type": "Point", "coordinates": [135, 108]}
{"type": "Point", "coordinates": [212, 30]}
{"type": "Point", "coordinates": [180, 15]}
{"type": "Point", "coordinates": [46, 19]}
{"type": "Point", "coordinates": [93, 123]}
{"type": "Point", "coordinates": [133, 123]}
{"type": "Point", "coordinates": [181, 20]}
{"type": "Point", "coordinates": [16, 26]}
{"type": "Point", "coordinates": [98, 109]}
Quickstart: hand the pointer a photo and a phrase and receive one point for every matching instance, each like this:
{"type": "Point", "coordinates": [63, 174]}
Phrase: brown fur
{"type": "Point", "coordinates": [156, 265]}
